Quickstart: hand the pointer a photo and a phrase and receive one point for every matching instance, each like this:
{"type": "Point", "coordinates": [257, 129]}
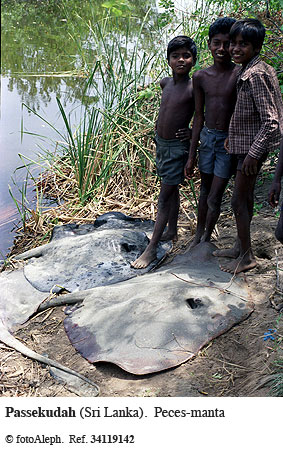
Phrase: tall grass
{"type": "Point", "coordinates": [112, 140]}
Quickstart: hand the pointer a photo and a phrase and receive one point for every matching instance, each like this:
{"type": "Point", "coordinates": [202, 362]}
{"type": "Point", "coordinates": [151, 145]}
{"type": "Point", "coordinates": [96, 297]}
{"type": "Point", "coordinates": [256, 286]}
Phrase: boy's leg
{"type": "Point", "coordinates": [163, 211]}
{"type": "Point", "coordinates": [279, 227]}
{"type": "Point", "coordinates": [242, 204]}
{"type": "Point", "coordinates": [214, 203]}
{"type": "Point", "coordinates": [234, 252]}
{"type": "Point", "coordinates": [171, 233]}
{"type": "Point", "coordinates": [206, 182]}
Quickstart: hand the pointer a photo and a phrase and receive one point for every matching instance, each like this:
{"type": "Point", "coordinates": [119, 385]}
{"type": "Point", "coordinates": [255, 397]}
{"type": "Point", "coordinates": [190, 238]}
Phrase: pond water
{"type": "Point", "coordinates": [39, 39]}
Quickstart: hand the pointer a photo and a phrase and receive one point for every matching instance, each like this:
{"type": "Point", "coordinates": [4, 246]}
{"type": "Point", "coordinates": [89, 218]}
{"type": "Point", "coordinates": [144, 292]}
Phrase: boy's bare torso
{"type": "Point", "coordinates": [215, 91]}
{"type": "Point", "coordinates": [176, 108]}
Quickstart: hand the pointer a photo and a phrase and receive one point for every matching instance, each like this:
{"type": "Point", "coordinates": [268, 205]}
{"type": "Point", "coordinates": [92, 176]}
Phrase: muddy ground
{"type": "Point", "coordinates": [237, 363]}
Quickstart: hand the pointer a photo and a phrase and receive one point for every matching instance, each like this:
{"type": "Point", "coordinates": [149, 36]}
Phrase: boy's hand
{"type": "Point", "coordinates": [189, 167]}
{"type": "Point", "coordinates": [226, 144]}
{"type": "Point", "coordinates": [184, 134]}
{"type": "Point", "coordinates": [274, 193]}
{"type": "Point", "coordinates": [249, 166]}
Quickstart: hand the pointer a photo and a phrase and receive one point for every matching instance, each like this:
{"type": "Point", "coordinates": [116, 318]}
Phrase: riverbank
{"type": "Point", "coordinates": [76, 43]}
{"type": "Point", "coordinates": [238, 363]}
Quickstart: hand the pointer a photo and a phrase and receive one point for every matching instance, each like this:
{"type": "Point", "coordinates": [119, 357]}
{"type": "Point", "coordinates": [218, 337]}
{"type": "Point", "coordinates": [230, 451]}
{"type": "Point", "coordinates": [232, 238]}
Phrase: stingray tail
{"type": "Point", "coordinates": [7, 338]}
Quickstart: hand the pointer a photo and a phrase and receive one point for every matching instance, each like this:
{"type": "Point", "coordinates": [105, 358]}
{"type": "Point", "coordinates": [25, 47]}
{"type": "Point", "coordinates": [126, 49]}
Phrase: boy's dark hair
{"type": "Point", "coordinates": [182, 41]}
{"type": "Point", "coordinates": [250, 29]}
{"type": "Point", "coordinates": [221, 26]}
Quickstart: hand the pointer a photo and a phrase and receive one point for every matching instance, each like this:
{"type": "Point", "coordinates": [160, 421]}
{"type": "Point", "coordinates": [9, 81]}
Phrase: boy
{"type": "Point", "coordinates": [254, 131]}
{"type": "Point", "coordinates": [172, 141]}
{"type": "Point", "coordinates": [274, 193]}
{"type": "Point", "coordinates": [215, 97]}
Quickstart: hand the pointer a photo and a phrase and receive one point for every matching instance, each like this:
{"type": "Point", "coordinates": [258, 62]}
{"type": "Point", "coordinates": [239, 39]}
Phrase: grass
{"type": "Point", "coordinates": [106, 160]}
{"type": "Point", "coordinates": [276, 379]}
{"type": "Point", "coordinates": [21, 204]}
{"type": "Point", "coordinates": [276, 382]}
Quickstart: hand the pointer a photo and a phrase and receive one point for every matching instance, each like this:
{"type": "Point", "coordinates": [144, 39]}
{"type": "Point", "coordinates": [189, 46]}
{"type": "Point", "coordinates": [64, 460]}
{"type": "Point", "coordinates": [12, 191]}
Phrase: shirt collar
{"type": "Point", "coordinates": [246, 72]}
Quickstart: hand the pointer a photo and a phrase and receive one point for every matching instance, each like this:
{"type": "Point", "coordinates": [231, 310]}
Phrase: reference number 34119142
{"type": "Point", "coordinates": [112, 438]}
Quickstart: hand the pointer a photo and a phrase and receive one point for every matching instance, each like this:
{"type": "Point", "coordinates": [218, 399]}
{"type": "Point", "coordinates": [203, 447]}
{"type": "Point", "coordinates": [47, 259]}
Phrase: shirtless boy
{"type": "Point", "coordinates": [274, 193]}
{"type": "Point", "coordinates": [172, 141]}
{"type": "Point", "coordinates": [254, 131]}
{"type": "Point", "coordinates": [215, 97]}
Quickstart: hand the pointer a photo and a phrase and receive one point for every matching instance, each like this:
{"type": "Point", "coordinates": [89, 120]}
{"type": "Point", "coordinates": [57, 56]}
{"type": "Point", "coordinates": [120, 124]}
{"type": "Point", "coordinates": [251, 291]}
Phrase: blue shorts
{"type": "Point", "coordinates": [213, 158]}
{"type": "Point", "coordinates": [171, 158]}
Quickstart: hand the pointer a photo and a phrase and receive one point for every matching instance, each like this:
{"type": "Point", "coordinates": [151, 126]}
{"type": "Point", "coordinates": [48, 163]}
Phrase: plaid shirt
{"type": "Point", "coordinates": [257, 122]}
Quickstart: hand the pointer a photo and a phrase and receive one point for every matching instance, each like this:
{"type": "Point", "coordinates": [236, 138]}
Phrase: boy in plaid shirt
{"type": "Point", "coordinates": [255, 130]}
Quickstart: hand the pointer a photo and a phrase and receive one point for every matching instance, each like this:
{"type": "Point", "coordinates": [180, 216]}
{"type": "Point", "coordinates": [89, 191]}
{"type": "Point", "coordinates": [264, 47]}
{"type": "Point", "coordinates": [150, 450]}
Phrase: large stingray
{"type": "Point", "coordinates": [146, 324]}
{"type": "Point", "coordinates": [85, 256]}
{"type": "Point", "coordinates": [159, 320]}
{"type": "Point", "coordinates": [78, 257]}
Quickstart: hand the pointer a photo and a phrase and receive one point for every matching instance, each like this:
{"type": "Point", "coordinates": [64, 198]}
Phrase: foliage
{"type": "Point", "coordinates": [168, 15]}
{"type": "Point", "coordinates": [195, 23]}
{"type": "Point", "coordinates": [110, 152]}
{"type": "Point", "coordinates": [107, 143]}
{"type": "Point", "coordinates": [118, 7]}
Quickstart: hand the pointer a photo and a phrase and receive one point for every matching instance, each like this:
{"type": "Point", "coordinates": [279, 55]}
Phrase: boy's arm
{"type": "Point", "coordinates": [275, 188]}
{"type": "Point", "coordinates": [162, 84]}
{"type": "Point", "coordinates": [197, 124]}
{"type": "Point", "coordinates": [262, 89]}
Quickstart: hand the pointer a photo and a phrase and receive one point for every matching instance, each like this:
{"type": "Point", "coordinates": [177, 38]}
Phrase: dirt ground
{"type": "Point", "coordinates": [237, 363]}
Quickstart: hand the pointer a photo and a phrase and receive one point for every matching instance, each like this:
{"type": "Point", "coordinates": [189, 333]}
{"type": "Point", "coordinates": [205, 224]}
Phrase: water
{"type": "Point", "coordinates": [36, 39]}
{"type": "Point", "coordinates": [13, 143]}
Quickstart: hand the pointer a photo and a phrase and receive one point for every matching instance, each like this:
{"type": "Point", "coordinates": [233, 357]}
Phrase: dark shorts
{"type": "Point", "coordinates": [213, 158]}
{"type": "Point", "coordinates": [238, 159]}
{"type": "Point", "coordinates": [171, 158]}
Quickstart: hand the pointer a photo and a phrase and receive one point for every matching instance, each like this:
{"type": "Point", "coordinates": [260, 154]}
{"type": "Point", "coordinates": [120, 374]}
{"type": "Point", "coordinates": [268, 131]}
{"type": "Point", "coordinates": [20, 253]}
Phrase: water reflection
{"type": "Point", "coordinates": [50, 37]}
{"type": "Point", "coordinates": [42, 37]}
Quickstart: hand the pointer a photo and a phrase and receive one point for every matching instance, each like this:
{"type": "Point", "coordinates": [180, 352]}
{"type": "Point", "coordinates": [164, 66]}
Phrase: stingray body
{"type": "Point", "coordinates": [160, 320]}
{"type": "Point", "coordinates": [78, 257]}
{"type": "Point", "coordinates": [145, 324]}
{"type": "Point", "coordinates": [81, 257]}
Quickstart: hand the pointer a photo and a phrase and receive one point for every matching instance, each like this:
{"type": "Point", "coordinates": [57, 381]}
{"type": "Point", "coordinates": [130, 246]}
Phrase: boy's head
{"type": "Point", "coordinates": [220, 26]}
{"type": "Point", "coordinates": [251, 30]}
{"type": "Point", "coordinates": [246, 39]}
{"type": "Point", "coordinates": [218, 42]}
{"type": "Point", "coordinates": [182, 42]}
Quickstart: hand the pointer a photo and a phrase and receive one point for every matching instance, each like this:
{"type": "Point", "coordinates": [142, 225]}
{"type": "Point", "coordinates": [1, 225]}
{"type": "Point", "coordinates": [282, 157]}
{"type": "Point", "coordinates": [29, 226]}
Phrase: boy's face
{"type": "Point", "coordinates": [219, 47]}
{"type": "Point", "coordinates": [181, 61]}
{"type": "Point", "coordinates": [242, 51]}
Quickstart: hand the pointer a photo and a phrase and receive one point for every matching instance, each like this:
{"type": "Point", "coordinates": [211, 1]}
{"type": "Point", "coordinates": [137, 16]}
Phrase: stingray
{"type": "Point", "coordinates": [145, 324]}
{"type": "Point", "coordinates": [78, 257]}
{"type": "Point", "coordinates": [160, 320]}
{"type": "Point", "coordinates": [81, 257]}
{"type": "Point", "coordinates": [19, 300]}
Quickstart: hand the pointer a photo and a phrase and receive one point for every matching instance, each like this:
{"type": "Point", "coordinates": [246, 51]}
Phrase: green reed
{"type": "Point", "coordinates": [110, 149]}
{"type": "Point", "coordinates": [107, 140]}
{"type": "Point", "coordinates": [21, 203]}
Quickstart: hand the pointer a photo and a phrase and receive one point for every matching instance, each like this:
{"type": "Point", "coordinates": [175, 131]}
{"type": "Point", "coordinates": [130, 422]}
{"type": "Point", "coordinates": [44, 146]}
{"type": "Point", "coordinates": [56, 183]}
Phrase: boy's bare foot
{"type": "Point", "coordinates": [230, 253]}
{"type": "Point", "coordinates": [169, 236]}
{"type": "Point", "coordinates": [144, 259]}
{"type": "Point", "coordinates": [242, 263]}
